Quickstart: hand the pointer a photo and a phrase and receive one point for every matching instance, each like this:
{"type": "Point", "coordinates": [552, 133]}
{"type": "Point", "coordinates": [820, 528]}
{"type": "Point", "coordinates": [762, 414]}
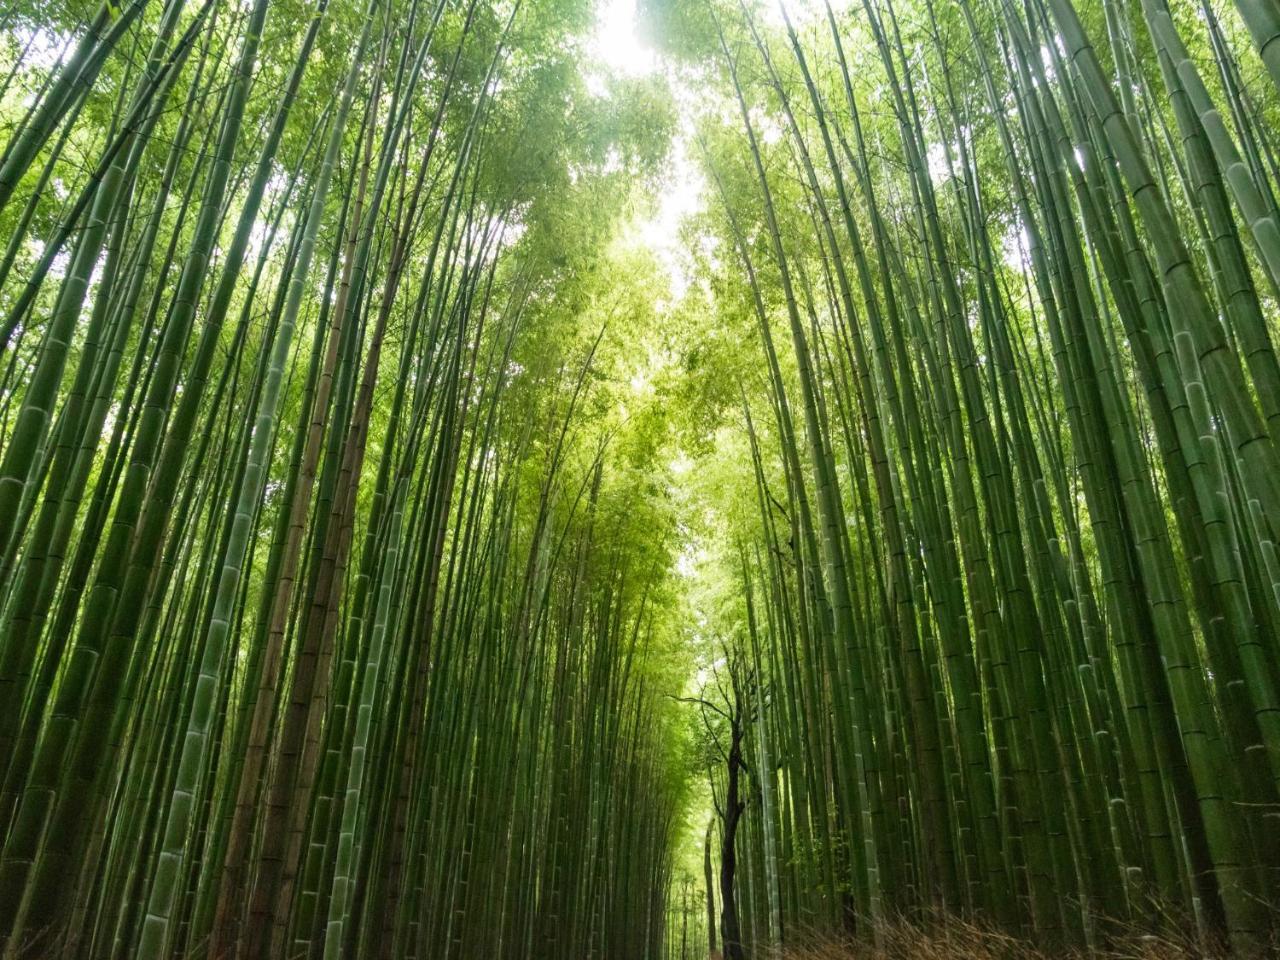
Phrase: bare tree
{"type": "Point", "coordinates": [725, 718]}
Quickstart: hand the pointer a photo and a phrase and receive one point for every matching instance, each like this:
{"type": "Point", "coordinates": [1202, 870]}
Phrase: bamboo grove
{"type": "Point", "coordinates": [315, 642]}
{"type": "Point", "coordinates": [1004, 614]}
{"type": "Point", "coordinates": [402, 556]}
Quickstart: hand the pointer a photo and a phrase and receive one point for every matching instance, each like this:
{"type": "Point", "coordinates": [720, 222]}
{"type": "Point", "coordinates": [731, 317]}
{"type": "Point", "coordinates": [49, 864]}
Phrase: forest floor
{"type": "Point", "coordinates": [957, 940]}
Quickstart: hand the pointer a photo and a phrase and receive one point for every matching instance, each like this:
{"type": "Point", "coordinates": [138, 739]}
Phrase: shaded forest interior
{"type": "Point", "coordinates": [639, 479]}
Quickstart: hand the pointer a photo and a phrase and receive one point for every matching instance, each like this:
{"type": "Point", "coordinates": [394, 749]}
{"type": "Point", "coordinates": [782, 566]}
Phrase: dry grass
{"type": "Point", "coordinates": [956, 939]}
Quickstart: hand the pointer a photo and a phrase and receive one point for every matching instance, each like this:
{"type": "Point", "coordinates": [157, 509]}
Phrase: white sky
{"type": "Point", "coordinates": [616, 42]}
{"type": "Point", "coordinates": [43, 47]}
{"type": "Point", "coordinates": [618, 46]}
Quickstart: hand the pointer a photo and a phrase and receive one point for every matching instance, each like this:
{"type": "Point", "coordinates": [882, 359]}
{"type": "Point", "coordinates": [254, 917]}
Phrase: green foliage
{"type": "Point", "coordinates": [408, 415]}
